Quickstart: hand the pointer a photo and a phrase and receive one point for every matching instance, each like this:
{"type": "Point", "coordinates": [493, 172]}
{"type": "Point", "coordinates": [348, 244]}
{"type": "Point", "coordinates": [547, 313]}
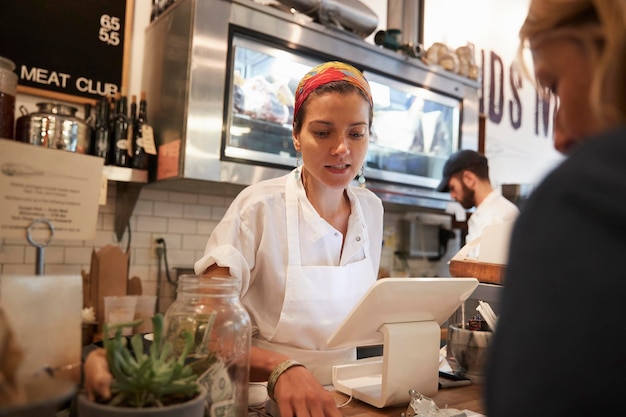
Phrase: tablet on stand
{"type": "Point", "coordinates": [405, 315]}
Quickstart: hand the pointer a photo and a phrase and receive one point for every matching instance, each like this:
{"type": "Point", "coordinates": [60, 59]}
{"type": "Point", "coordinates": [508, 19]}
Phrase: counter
{"type": "Point", "coordinates": [463, 398]}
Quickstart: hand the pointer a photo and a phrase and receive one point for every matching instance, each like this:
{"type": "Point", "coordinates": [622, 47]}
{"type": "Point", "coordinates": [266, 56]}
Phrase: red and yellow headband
{"type": "Point", "coordinates": [326, 73]}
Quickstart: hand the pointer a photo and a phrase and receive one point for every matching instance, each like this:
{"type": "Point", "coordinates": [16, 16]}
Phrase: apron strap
{"type": "Point", "coordinates": [293, 229]}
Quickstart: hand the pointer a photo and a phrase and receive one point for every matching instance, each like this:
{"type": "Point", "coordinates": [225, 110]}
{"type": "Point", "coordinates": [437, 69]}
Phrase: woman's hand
{"type": "Point", "coordinates": [298, 393]}
{"type": "Point", "coordinates": [97, 376]}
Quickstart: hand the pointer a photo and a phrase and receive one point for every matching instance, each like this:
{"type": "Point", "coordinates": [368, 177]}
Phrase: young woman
{"type": "Point", "coordinates": [306, 245]}
{"type": "Point", "coordinates": [555, 351]}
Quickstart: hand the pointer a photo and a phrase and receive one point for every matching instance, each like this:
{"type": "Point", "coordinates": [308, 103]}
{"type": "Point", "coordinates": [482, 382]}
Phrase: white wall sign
{"type": "Point", "coordinates": [40, 183]}
{"type": "Point", "coordinates": [518, 139]}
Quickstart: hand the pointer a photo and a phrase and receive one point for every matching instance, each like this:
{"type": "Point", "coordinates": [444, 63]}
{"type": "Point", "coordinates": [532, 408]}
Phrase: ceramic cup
{"type": "Point", "coordinates": [144, 310]}
{"type": "Point", "coordinates": [120, 309]}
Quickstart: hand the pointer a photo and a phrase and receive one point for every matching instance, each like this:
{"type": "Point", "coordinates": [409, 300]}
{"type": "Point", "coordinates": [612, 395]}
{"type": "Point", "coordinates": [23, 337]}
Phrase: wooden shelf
{"type": "Point", "coordinates": [122, 174]}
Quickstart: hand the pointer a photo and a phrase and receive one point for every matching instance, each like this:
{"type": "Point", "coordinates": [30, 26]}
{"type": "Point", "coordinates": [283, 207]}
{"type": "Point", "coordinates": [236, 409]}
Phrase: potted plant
{"type": "Point", "coordinates": [154, 382]}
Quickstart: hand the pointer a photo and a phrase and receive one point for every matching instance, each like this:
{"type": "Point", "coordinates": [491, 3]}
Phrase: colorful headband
{"type": "Point", "coordinates": [327, 73]}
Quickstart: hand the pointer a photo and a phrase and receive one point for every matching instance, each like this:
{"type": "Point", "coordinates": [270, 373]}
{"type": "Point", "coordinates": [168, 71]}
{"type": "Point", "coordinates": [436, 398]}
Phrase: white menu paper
{"type": "Point", "coordinates": [58, 186]}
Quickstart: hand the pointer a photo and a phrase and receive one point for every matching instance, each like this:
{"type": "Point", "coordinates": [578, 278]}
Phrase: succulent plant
{"type": "Point", "coordinates": [157, 377]}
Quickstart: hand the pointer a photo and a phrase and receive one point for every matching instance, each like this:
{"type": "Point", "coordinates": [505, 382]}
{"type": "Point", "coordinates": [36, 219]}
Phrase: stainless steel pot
{"type": "Point", "coordinates": [54, 126]}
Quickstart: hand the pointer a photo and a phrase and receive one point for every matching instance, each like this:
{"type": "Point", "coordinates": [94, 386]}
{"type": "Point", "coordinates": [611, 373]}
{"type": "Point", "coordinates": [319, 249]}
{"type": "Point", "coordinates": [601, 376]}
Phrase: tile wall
{"type": "Point", "coordinates": [184, 220]}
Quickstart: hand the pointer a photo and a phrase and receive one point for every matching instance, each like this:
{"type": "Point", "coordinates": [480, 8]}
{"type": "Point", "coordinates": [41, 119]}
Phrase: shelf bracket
{"type": "Point", "coordinates": [127, 194]}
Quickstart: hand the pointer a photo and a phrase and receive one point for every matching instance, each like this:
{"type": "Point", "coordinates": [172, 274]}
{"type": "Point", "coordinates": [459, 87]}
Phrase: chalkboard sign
{"type": "Point", "coordinates": [73, 50]}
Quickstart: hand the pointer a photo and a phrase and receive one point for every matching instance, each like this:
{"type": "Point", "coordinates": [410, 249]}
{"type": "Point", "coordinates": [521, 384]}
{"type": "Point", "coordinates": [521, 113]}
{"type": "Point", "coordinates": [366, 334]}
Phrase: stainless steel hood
{"type": "Point", "coordinates": [186, 76]}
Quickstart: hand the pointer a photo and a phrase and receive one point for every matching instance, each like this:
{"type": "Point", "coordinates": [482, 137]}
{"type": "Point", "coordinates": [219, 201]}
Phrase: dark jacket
{"type": "Point", "coordinates": [558, 347]}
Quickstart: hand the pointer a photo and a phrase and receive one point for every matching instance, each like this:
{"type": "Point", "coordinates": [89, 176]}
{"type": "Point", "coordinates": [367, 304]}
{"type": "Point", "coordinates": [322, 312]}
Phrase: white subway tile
{"type": "Point", "coordinates": [184, 258]}
{"type": "Point", "coordinates": [188, 198]}
{"type": "Point", "coordinates": [142, 240]}
{"type": "Point", "coordinates": [213, 200]}
{"type": "Point", "coordinates": [103, 238]}
{"type": "Point", "coordinates": [108, 222]}
{"type": "Point", "coordinates": [151, 224]}
{"type": "Point", "coordinates": [56, 269]}
{"type": "Point", "coordinates": [12, 254]}
{"type": "Point", "coordinates": [18, 269]}
{"type": "Point", "coordinates": [143, 256]}
{"type": "Point", "coordinates": [168, 209]}
{"type": "Point", "coordinates": [140, 271]}
{"type": "Point", "coordinates": [51, 254]}
{"type": "Point", "coordinates": [182, 226]}
{"type": "Point", "coordinates": [144, 207]}
{"type": "Point", "coordinates": [153, 194]}
{"type": "Point", "coordinates": [148, 287]}
{"type": "Point", "coordinates": [78, 256]}
{"type": "Point", "coordinates": [15, 241]}
{"type": "Point", "coordinates": [192, 211]}
{"type": "Point", "coordinates": [66, 242]}
{"type": "Point", "coordinates": [194, 242]}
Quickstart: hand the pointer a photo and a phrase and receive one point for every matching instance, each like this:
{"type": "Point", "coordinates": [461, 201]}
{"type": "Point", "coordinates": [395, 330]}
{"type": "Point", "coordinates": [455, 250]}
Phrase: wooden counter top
{"type": "Point", "coordinates": [463, 398]}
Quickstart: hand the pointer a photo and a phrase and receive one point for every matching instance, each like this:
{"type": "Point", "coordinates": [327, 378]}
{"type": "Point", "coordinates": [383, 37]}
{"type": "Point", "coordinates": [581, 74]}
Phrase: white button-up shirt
{"type": "Point", "coordinates": [251, 240]}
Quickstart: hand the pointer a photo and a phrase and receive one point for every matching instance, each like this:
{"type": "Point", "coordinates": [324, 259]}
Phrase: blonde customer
{"type": "Point", "coordinates": [556, 351]}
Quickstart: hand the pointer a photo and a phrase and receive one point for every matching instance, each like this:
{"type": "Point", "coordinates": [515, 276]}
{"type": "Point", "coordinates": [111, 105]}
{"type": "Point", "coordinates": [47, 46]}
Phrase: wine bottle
{"type": "Point", "coordinates": [102, 144]}
{"type": "Point", "coordinates": [120, 139]}
{"type": "Point", "coordinates": [133, 110]}
{"type": "Point", "coordinates": [156, 10]}
{"type": "Point", "coordinates": [140, 157]}
{"type": "Point", "coordinates": [91, 128]}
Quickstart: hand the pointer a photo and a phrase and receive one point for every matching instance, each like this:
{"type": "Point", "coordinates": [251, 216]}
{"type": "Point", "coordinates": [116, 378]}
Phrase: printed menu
{"type": "Point", "coordinates": [47, 189]}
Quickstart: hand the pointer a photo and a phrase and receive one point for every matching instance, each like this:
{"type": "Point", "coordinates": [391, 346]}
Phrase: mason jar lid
{"type": "Point", "coordinates": [7, 64]}
{"type": "Point", "coordinates": [8, 78]}
{"type": "Point", "coordinates": [216, 285]}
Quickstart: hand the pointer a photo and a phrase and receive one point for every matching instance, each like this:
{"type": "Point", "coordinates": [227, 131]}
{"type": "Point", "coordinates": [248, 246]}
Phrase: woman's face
{"type": "Point", "coordinates": [334, 137]}
{"type": "Point", "coordinates": [563, 66]}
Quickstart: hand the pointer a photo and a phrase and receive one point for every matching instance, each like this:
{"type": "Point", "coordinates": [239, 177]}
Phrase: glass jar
{"type": "Point", "coordinates": [8, 90]}
{"type": "Point", "coordinates": [209, 308]}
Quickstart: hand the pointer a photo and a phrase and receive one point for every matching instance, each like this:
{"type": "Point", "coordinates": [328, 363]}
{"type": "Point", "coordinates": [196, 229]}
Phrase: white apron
{"type": "Point", "coordinates": [317, 299]}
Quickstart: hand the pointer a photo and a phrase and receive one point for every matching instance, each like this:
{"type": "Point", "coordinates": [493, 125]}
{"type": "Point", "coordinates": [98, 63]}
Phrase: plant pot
{"type": "Point", "coordinates": [191, 408]}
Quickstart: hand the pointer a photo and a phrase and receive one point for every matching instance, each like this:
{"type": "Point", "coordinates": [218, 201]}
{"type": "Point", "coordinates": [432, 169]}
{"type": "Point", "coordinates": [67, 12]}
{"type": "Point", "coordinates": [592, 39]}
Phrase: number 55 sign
{"type": "Point", "coordinates": [73, 50]}
{"type": "Point", "coordinates": [110, 29]}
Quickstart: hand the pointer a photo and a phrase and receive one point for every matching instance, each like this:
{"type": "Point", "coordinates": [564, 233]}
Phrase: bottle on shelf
{"type": "Point", "coordinates": [121, 140]}
{"type": "Point", "coordinates": [91, 126]}
{"type": "Point", "coordinates": [133, 110]}
{"type": "Point", "coordinates": [156, 10]}
{"type": "Point", "coordinates": [141, 158]}
{"type": "Point", "coordinates": [102, 136]}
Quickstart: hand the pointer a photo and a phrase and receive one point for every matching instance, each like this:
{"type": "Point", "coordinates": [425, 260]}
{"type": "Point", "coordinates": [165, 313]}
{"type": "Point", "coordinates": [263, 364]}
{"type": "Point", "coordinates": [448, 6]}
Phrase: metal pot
{"type": "Point", "coordinates": [54, 126]}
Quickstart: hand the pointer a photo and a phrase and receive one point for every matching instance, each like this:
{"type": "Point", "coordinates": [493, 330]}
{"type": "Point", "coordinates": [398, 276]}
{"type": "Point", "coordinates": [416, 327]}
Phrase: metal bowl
{"type": "Point", "coordinates": [469, 350]}
{"type": "Point", "coordinates": [44, 397]}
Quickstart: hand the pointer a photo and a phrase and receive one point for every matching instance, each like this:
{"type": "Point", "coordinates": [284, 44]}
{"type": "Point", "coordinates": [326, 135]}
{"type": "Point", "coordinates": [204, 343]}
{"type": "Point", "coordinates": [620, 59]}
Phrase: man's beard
{"type": "Point", "coordinates": [468, 201]}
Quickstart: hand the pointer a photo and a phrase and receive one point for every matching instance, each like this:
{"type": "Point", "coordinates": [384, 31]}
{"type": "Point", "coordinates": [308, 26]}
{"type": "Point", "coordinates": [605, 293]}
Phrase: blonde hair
{"type": "Point", "coordinates": [608, 91]}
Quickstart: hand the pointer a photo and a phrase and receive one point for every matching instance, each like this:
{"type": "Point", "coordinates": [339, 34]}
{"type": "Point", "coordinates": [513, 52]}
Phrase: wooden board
{"type": "Point", "coordinates": [484, 272]}
{"type": "Point", "coordinates": [71, 50]}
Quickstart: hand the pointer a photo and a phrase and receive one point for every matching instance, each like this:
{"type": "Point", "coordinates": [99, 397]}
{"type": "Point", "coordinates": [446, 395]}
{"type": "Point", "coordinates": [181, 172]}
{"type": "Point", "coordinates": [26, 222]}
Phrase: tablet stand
{"type": "Point", "coordinates": [410, 361]}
